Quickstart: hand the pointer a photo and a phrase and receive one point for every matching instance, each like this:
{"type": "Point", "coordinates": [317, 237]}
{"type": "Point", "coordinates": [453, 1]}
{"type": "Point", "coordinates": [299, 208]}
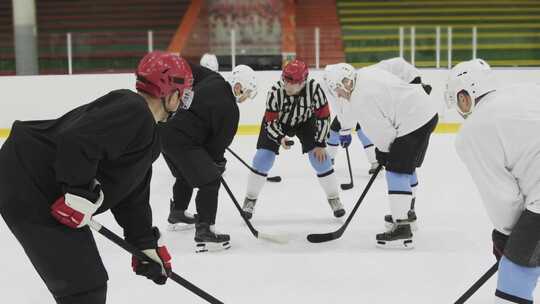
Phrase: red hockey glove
{"type": "Point", "coordinates": [75, 208]}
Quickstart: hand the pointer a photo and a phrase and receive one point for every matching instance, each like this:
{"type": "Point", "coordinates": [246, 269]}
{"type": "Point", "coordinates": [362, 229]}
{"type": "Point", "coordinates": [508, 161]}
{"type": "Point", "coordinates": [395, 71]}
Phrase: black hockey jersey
{"type": "Point", "coordinates": [112, 139]}
{"type": "Point", "coordinates": [211, 121]}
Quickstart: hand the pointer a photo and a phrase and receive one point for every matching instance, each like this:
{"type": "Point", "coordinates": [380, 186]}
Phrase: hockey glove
{"type": "Point", "coordinates": [159, 270]}
{"type": "Point", "coordinates": [221, 165]}
{"type": "Point", "coordinates": [75, 208]}
{"type": "Point", "coordinates": [499, 243]}
{"type": "Point", "coordinates": [382, 157]}
{"type": "Point", "coordinates": [345, 140]}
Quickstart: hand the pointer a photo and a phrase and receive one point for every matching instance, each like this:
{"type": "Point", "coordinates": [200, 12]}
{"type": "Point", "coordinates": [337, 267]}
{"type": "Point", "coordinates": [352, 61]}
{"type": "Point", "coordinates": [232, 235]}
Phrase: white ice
{"type": "Point", "coordinates": [453, 246]}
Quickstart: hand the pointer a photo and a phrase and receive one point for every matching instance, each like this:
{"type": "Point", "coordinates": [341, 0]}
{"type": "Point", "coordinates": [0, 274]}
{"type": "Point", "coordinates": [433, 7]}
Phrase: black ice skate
{"type": "Point", "coordinates": [207, 240]}
{"type": "Point", "coordinates": [249, 207]}
{"type": "Point", "coordinates": [336, 206]}
{"type": "Point", "coordinates": [411, 217]}
{"type": "Point", "coordinates": [399, 237]}
{"type": "Point", "coordinates": [180, 219]}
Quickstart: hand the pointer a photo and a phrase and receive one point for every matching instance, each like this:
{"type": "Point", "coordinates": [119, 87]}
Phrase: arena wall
{"type": "Point", "coordinates": [46, 97]}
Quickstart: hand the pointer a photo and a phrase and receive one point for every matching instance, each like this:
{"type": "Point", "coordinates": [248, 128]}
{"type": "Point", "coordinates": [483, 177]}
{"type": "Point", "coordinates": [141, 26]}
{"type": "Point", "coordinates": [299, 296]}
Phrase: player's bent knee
{"type": "Point", "coordinates": [516, 283]}
{"type": "Point", "coordinates": [94, 296]}
{"type": "Point", "coordinates": [264, 160]}
{"type": "Point", "coordinates": [320, 167]}
{"type": "Point", "coordinates": [398, 181]}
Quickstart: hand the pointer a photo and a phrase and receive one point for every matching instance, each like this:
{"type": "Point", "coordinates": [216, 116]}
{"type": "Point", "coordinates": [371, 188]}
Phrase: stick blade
{"type": "Point", "coordinates": [323, 237]}
{"type": "Point", "coordinates": [279, 239]}
{"type": "Point", "coordinates": [274, 179]}
{"type": "Point", "coordinates": [347, 186]}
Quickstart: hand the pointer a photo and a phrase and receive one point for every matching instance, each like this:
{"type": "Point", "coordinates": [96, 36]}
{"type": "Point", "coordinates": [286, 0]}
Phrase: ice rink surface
{"type": "Point", "coordinates": [453, 244]}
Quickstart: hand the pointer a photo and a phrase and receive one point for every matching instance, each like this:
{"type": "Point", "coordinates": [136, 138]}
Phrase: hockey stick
{"type": "Point", "coordinates": [325, 237]}
{"type": "Point", "coordinates": [274, 179]}
{"type": "Point", "coordinates": [483, 279]}
{"type": "Point", "coordinates": [273, 238]}
{"type": "Point", "coordinates": [351, 184]}
{"type": "Point", "coordinates": [143, 257]}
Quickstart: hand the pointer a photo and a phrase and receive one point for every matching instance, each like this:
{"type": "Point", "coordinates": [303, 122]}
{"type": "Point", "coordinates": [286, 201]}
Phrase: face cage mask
{"type": "Point", "coordinates": [187, 99]}
{"type": "Point", "coordinates": [250, 93]}
{"type": "Point", "coordinates": [293, 87]}
{"type": "Point", "coordinates": [451, 102]}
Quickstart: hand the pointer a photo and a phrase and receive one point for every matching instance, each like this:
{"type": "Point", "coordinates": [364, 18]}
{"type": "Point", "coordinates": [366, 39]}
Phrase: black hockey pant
{"type": "Point", "coordinates": [66, 259]}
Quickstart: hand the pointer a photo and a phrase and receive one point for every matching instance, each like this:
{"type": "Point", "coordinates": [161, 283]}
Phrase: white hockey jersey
{"type": "Point", "coordinates": [388, 107]}
{"type": "Point", "coordinates": [343, 109]}
{"type": "Point", "coordinates": [500, 146]}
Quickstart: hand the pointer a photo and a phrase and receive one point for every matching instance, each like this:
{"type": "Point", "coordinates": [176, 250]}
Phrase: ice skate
{"type": "Point", "coordinates": [180, 220]}
{"type": "Point", "coordinates": [411, 217]}
{"type": "Point", "coordinates": [399, 237]}
{"type": "Point", "coordinates": [207, 240]}
{"type": "Point", "coordinates": [336, 206]}
{"type": "Point", "coordinates": [248, 208]}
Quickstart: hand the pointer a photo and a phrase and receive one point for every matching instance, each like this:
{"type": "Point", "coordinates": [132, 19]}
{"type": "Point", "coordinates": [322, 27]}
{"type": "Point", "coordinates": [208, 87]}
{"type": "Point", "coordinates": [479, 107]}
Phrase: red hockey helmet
{"type": "Point", "coordinates": [295, 72]}
{"type": "Point", "coordinates": [160, 74]}
{"type": "Point", "coordinates": [294, 77]}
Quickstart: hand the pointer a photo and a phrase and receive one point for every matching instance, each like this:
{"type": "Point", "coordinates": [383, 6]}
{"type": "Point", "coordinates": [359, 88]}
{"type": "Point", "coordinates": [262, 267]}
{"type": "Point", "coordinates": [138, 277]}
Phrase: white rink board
{"type": "Point", "coordinates": [45, 97]}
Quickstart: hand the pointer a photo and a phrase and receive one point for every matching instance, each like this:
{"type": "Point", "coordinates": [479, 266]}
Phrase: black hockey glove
{"type": "Point", "coordinates": [499, 243]}
{"type": "Point", "coordinates": [221, 165]}
{"type": "Point", "coordinates": [161, 267]}
{"type": "Point", "coordinates": [382, 157]}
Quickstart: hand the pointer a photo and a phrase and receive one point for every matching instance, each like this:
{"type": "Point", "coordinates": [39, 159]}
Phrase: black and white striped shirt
{"type": "Point", "coordinates": [284, 112]}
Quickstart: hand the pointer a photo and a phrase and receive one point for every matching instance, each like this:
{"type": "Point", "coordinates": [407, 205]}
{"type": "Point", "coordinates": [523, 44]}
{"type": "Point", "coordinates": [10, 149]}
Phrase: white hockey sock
{"type": "Point", "coordinates": [370, 154]}
{"type": "Point", "coordinates": [502, 301]}
{"type": "Point", "coordinates": [254, 185]}
{"type": "Point", "coordinates": [399, 205]}
{"type": "Point", "coordinates": [330, 185]}
{"type": "Point", "coordinates": [414, 188]}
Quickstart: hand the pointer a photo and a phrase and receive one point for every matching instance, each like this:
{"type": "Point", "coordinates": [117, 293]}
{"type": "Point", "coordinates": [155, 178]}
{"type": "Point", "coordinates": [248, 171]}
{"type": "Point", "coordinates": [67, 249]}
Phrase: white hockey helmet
{"type": "Point", "coordinates": [340, 76]}
{"type": "Point", "coordinates": [243, 83]}
{"type": "Point", "coordinates": [210, 61]}
{"type": "Point", "coordinates": [473, 77]}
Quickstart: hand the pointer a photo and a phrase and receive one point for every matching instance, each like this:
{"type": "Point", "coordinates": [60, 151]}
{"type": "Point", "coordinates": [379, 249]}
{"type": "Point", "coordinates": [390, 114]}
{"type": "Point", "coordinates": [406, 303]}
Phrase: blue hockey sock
{"type": "Point", "coordinates": [263, 161]}
{"type": "Point", "coordinates": [516, 283]}
{"type": "Point", "coordinates": [366, 142]}
{"type": "Point", "coordinates": [333, 138]}
{"type": "Point", "coordinates": [320, 167]}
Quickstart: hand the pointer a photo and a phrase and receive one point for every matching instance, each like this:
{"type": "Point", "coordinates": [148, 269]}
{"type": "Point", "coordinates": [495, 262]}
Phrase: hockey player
{"type": "Point", "coordinates": [499, 145]}
{"type": "Point", "coordinates": [194, 142]}
{"type": "Point", "coordinates": [296, 106]}
{"type": "Point", "coordinates": [210, 61]}
{"type": "Point", "coordinates": [56, 174]}
{"type": "Point", "coordinates": [399, 118]}
{"type": "Point", "coordinates": [343, 123]}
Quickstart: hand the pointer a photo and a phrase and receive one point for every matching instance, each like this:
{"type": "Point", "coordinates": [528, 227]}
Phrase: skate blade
{"type": "Point", "coordinates": [389, 226]}
{"type": "Point", "coordinates": [211, 247]}
{"type": "Point", "coordinates": [397, 244]}
{"type": "Point", "coordinates": [180, 227]}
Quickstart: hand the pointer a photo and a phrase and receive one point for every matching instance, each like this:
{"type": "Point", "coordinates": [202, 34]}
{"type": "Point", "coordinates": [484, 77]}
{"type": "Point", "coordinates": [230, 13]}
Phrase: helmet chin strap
{"type": "Point", "coordinates": [169, 113]}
